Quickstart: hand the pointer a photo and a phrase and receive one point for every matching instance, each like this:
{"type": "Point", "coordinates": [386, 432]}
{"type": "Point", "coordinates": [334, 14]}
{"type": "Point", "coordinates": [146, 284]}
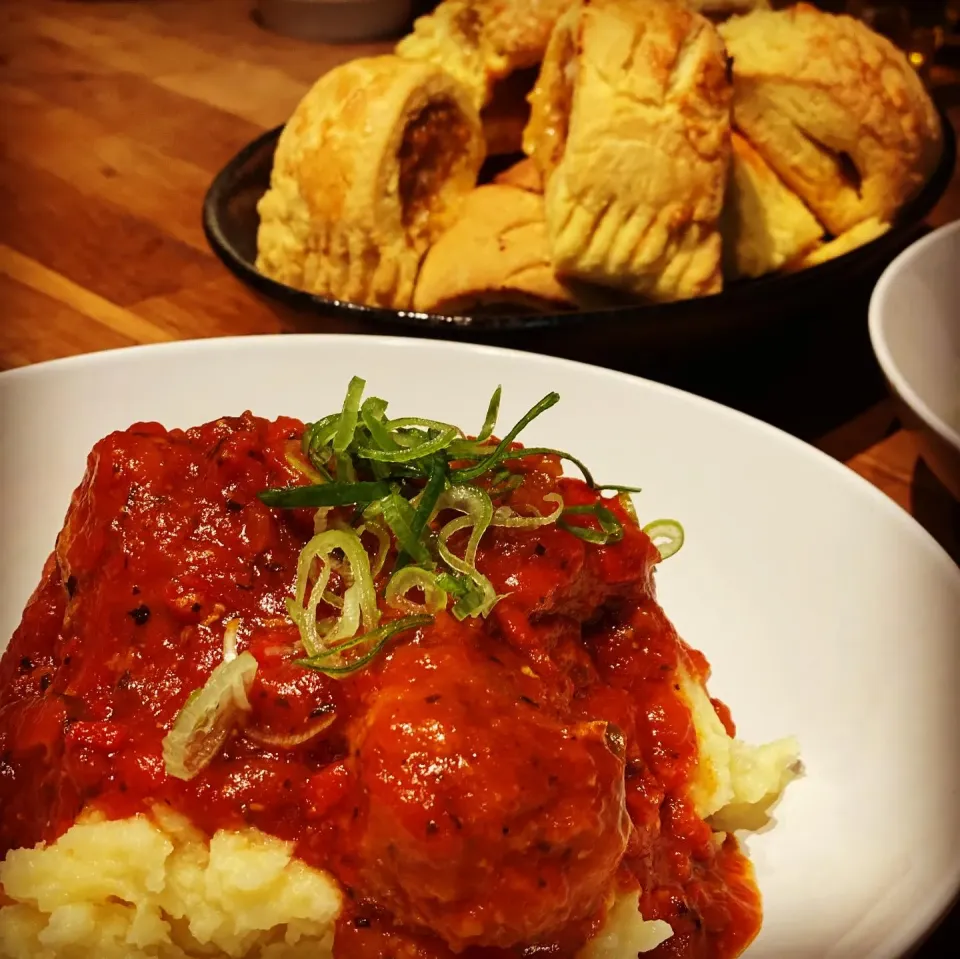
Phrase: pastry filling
{"type": "Point", "coordinates": [433, 143]}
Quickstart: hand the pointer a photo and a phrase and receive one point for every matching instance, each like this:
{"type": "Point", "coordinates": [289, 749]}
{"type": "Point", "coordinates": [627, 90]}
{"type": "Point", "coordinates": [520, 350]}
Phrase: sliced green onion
{"type": "Point", "coordinates": [291, 740]}
{"type": "Point", "coordinates": [413, 577]}
{"type": "Point", "coordinates": [549, 451]}
{"type": "Point", "coordinates": [490, 420]}
{"type": "Point", "coordinates": [611, 529]}
{"type": "Point", "coordinates": [331, 662]}
{"type": "Point", "coordinates": [230, 640]}
{"type": "Point", "coordinates": [472, 472]}
{"type": "Point", "coordinates": [382, 533]}
{"type": "Point", "coordinates": [421, 450]}
{"type": "Point", "coordinates": [359, 598]}
{"type": "Point", "coordinates": [372, 413]}
{"type": "Point", "coordinates": [400, 516]}
{"type": "Point", "coordinates": [419, 423]}
{"type": "Point", "coordinates": [208, 717]}
{"type": "Point", "coordinates": [626, 504]}
{"type": "Point", "coordinates": [347, 425]}
{"type": "Point", "coordinates": [669, 533]}
{"type": "Point", "coordinates": [476, 504]}
{"type": "Point", "coordinates": [312, 474]}
{"type": "Point", "coordinates": [317, 435]}
{"type": "Point", "coordinates": [324, 494]}
{"type": "Point", "coordinates": [505, 515]}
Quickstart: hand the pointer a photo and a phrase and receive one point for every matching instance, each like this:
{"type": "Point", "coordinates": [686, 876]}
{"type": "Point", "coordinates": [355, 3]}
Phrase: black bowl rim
{"type": "Point", "coordinates": [776, 286]}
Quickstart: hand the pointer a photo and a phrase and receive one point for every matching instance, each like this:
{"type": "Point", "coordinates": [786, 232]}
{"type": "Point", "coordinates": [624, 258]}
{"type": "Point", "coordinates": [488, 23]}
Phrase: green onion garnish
{"type": "Point", "coordinates": [401, 474]}
{"type": "Point", "coordinates": [611, 529]}
{"type": "Point", "coordinates": [332, 663]}
{"type": "Point", "coordinates": [667, 536]}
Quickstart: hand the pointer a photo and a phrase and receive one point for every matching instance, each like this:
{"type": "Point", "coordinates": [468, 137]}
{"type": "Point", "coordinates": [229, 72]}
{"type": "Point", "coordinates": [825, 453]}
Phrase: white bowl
{"type": "Point", "coordinates": [826, 611]}
{"type": "Point", "coordinates": [915, 331]}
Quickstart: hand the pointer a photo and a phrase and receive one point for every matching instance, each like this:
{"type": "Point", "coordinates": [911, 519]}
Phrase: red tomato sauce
{"type": "Point", "coordinates": [482, 788]}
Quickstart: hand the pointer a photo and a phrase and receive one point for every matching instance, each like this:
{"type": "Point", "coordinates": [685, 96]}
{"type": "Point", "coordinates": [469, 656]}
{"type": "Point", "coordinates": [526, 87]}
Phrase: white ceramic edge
{"type": "Point", "coordinates": [940, 900]}
{"type": "Point", "coordinates": [888, 365]}
{"type": "Point", "coordinates": [266, 340]}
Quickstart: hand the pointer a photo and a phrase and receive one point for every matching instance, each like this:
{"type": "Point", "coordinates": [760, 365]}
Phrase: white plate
{"type": "Point", "coordinates": [826, 611]}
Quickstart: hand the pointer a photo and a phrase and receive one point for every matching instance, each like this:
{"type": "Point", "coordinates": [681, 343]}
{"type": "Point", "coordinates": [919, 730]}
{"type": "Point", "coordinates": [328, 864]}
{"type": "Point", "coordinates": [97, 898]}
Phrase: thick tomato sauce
{"type": "Point", "coordinates": [481, 784]}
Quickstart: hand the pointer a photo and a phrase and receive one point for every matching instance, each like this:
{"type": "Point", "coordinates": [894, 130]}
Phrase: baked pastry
{"type": "Point", "coordinates": [494, 256]}
{"type": "Point", "coordinates": [835, 109]}
{"type": "Point", "coordinates": [372, 167]}
{"type": "Point", "coordinates": [630, 127]}
{"type": "Point", "coordinates": [483, 41]}
{"type": "Point", "coordinates": [524, 174]}
{"type": "Point", "coordinates": [764, 225]}
{"type": "Point", "coordinates": [853, 239]}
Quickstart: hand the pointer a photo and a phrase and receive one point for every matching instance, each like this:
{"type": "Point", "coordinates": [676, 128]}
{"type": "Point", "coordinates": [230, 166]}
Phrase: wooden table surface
{"type": "Point", "coordinates": [115, 116]}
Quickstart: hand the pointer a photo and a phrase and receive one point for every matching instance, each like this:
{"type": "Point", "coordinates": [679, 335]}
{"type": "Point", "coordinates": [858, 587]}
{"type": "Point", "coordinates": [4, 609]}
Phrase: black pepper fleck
{"type": "Point", "coordinates": [529, 702]}
{"type": "Point", "coordinates": [540, 549]}
{"type": "Point", "coordinates": [136, 590]}
{"type": "Point", "coordinates": [432, 828]}
{"type": "Point", "coordinates": [196, 607]}
{"type": "Point", "coordinates": [435, 698]}
{"type": "Point", "coordinates": [361, 922]}
{"type": "Point", "coordinates": [233, 506]}
{"type": "Point", "coordinates": [45, 682]}
{"type": "Point", "coordinates": [26, 665]}
{"type": "Point", "coordinates": [140, 615]}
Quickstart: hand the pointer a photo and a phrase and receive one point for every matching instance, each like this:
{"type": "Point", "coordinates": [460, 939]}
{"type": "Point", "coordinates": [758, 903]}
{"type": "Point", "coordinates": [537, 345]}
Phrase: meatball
{"type": "Point", "coordinates": [487, 818]}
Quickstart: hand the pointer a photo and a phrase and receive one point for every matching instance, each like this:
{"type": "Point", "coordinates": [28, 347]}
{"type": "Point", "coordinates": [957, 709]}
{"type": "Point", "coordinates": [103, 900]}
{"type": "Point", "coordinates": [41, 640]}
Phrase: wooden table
{"type": "Point", "coordinates": [115, 116]}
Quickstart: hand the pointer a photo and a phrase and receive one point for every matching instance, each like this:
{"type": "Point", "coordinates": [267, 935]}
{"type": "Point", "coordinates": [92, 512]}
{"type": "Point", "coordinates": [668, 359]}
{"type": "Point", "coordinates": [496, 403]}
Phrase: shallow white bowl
{"type": "Point", "coordinates": [915, 331]}
{"type": "Point", "coordinates": [826, 610]}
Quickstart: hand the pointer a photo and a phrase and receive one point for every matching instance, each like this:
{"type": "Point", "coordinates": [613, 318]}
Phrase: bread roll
{"type": "Point", "coordinates": [483, 41]}
{"type": "Point", "coordinates": [495, 255]}
{"type": "Point", "coordinates": [524, 174]}
{"type": "Point", "coordinates": [853, 239]}
{"type": "Point", "coordinates": [835, 109]}
{"type": "Point", "coordinates": [764, 225]}
{"type": "Point", "coordinates": [372, 167]}
{"type": "Point", "coordinates": [630, 127]}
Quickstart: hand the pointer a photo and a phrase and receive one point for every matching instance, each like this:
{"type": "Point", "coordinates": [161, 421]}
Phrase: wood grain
{"type": "Point", "coordinates": [116, 115]}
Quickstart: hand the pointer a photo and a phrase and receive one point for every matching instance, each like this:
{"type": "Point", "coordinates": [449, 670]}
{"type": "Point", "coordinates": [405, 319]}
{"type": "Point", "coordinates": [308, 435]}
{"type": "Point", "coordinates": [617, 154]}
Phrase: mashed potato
{"type": "Point", "coordinates": [155, 889]}
{"type": "Point", "coordinates": [626, 933]}
{"type": "Point", "coordinates": [733, 775]}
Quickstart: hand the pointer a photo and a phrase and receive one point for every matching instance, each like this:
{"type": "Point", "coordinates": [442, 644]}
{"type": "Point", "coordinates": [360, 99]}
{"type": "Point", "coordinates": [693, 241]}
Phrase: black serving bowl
{"type": "Point", "coordinates": [639, 338]}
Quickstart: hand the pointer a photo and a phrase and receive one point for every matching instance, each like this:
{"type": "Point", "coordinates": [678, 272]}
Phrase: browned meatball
{"type": "Point", "coordinates": [487, 819]}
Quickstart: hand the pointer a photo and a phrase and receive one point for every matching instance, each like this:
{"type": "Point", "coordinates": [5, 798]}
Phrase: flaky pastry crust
{"type": "Point", "coordinates": [494, 255]}
{"type": "Point", "coordinates": [630, 128]}
{"type": "Point", "coordinates": [372, 167]}
{"type": "Point", "coordinates": [864, 232]}
{"type": "Point", "coordinates": [483, 41]}
{"type": "Point", "coordinates": [764, 224]}
{"type": "Point", "coordinates": [835, 109]}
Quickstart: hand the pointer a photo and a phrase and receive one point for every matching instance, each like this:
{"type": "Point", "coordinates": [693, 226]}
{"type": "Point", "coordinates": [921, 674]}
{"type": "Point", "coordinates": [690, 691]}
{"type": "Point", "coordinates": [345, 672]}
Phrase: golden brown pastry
{"type": "Point", "coordinates": [482, 41]}
{"type": "Point", "coordinates": [630, 128]}
{"type": "Point", "coordinates": [855, 237]}
{"type": "Point", "coordinates": [764, 225]}
{"type": "Point", "coordinates": [835, 109]}
{"type": "Point", "coordinates": [372, 166]}
{"type": "Point", "coordinates": [524, 175]}
{"type": "Point", "coordinates": [495, 255]}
